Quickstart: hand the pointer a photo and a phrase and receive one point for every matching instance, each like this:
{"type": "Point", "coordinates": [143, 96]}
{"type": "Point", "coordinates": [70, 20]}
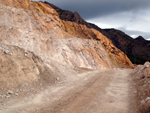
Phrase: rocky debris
{"type": "Point", "coordinates": [19, 70]}
{"type": "Point", "coordinates": [29, 74]}
{"type": "Point", "coordinates": [12, 67]}
{"type": "Point", "coordinates": [10, 92]}
{"type": "Point", "coordinates": [26, 52]}
{"type": "Point", "coordinates": [5, 50]}
{"type": "Point", "coordinates": [145, 104]}
{"type": "Point", "coordinates": [57, 79]}
{"type": "Point", "coordinates": [16, 94]}
{"type": "Point", "coordinates": [147, 99]}
{"type": "Point", "coordinates": [147, 64]}
{"type": "Point", "coordinates": [142, 102]}
{"type": "Point", "coordinates": [141, 76]}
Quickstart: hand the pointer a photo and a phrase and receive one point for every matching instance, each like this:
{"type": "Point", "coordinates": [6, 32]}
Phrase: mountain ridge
{"type": "Point", "coordinates": [137, 50]}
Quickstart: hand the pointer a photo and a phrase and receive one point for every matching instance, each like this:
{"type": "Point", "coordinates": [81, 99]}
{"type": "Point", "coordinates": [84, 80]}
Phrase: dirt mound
{"type": "Point", "coordinates": [141, 76]}
{"type": "Point", "coordinates": [23, 72]}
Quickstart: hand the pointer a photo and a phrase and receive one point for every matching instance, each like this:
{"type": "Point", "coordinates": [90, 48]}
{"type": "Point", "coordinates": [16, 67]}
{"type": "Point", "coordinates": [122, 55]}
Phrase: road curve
{"type": "Point", "coordinates": [100, 91]}
{"type": "Point", "coordinates": [107, 92]}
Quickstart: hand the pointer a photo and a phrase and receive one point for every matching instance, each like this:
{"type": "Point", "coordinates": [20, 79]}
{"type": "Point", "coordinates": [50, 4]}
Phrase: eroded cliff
{"type": "Point", "coordinates": [36, 26]}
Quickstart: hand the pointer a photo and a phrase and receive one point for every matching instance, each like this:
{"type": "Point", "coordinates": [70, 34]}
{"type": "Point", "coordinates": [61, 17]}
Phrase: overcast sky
{"type": "Point", "coordinates": [130, 16]}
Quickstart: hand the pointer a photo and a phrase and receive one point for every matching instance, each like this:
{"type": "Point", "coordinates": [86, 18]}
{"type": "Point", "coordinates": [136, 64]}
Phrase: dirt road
{"type": "Point", "coordinates": [100, 91]}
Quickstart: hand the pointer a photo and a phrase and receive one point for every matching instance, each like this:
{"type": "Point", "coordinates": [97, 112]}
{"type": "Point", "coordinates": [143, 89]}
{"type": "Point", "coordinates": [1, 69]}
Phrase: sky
{"type": "Point", "coordinates": [129, 16]}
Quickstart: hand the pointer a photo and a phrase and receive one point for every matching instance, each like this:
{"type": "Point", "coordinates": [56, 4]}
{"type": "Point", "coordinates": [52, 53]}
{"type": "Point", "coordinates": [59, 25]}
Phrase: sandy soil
{"type": "Point", "coordinates": [100, 91]}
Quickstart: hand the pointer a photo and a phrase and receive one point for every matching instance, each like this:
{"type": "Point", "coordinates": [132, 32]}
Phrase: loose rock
{"type": "Point", "coordinates": [10, 92]}
{"type": "Point", "coordinates": [57, 79]}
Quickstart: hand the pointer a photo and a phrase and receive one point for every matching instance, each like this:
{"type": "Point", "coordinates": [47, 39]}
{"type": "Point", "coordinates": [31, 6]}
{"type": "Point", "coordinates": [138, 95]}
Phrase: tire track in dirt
{"type": "Point", "coordinates": [100, 91]}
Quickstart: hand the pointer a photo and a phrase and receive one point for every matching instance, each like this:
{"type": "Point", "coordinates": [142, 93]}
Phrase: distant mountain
{"type": "Point", "coordinates": [138, 50]}
{"type": "Point", "coordinates": [69, 16]}
{"type": "Point", "coordinates": [140, 38]}
{"type": "Point", "coordinates": [143, 41]}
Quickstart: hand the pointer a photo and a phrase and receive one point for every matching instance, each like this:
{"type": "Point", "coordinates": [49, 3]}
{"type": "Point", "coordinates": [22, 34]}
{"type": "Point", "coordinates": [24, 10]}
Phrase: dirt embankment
{"type": "Point", "coordinates": [141, 80]}
{"type": "Point", "coordinates": [22, 72]}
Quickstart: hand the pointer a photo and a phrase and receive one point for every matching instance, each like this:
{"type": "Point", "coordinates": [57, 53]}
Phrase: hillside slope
{"type": "Point", "coordinates": [19, 67]}
{"type": "Point", "coordinates": [136, 49]}
{"type": "Point", "coordinates": [38, 28]}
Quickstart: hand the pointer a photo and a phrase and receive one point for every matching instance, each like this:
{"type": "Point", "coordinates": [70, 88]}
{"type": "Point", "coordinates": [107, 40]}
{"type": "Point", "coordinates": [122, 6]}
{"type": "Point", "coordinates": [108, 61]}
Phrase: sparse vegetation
{"type": "Point", "coordinates": [136, 59]}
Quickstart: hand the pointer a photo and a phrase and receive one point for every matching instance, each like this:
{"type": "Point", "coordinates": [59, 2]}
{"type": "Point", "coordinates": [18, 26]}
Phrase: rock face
{"type": "Point", "coordinates": [40, 30]}
{"type": "Point", "coordinates": [70, 17]}
{"type": "Point", "coordinates": [46, 39]}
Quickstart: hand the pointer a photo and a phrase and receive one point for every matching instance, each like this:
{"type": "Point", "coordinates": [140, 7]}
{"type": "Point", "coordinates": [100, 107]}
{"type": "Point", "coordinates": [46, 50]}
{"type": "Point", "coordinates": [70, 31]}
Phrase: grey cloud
{"type": "Point", "coordinates": [93, 8]}
{"type": "Point", "coordinates": [90, 9]}
{"type": "Point", "coordinates": [146, 35]}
